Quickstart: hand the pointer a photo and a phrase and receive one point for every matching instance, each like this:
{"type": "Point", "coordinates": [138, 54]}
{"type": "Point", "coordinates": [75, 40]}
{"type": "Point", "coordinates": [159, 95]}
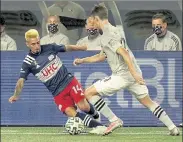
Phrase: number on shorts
{"type": "Point", "coordinates": [77, 89]}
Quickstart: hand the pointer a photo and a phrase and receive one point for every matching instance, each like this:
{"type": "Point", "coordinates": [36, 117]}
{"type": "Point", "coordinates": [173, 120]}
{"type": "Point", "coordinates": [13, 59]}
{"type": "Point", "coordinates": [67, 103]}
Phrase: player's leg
{"type": "Point", "coordinates": [77, 94]}
{"type": "Point", "coordinates": [66, 105]}
{"type": "Point", "coordinates": [106, 86]}
{"type": "Point", "coordinates": [99, 103]}
{"type": "Point", "coordinates": [86, 107]}
{"type": "Point", "coordinates": [160, 114]}
{"type": "Point", "coordinates": [98, 128]}
{"type": "Point", "coordinates": [141, 93]}
{"type": "Point", "coordinates": [87, 120]}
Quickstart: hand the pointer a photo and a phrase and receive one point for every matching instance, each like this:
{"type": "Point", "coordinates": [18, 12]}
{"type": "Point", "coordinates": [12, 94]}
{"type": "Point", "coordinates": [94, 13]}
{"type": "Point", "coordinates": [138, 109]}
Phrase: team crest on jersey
{"type": "Point", "coordinates": [51, 57]}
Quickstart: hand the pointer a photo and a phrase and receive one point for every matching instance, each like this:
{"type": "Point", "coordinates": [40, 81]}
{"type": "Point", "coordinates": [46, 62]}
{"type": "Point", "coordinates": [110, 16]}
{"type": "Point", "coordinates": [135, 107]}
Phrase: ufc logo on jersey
{"type": "Point", "coordinates": [50, 69]}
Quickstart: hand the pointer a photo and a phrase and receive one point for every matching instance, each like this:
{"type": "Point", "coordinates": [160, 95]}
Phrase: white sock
{"type": "Point", "coordinates": [103, 108]}
{"type": "Point", "coordinates": [163, 117]}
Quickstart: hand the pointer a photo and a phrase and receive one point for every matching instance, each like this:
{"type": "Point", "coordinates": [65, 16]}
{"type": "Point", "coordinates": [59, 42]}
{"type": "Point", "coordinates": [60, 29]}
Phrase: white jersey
{"type": "Point", "coordinates": [7, 43]}
{"type": "Point", "coordinates": [57, 38]}
{"type": "Point", "coordinates": [121, 77]}
{"type": "Point", "coordinates": [72, 10]}
{"type": "Point", "coordinates": [93, 44]}
{"type": "Point", "coordinates": [170, 42]}
{"type": "Point", "coordinates": [111, 40]}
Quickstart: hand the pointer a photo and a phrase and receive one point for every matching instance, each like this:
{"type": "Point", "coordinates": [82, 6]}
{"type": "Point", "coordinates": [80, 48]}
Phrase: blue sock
{"type": "Point", "coordinates": [93, 112]}
{"type": "Point", "coordinates": [87, 120]}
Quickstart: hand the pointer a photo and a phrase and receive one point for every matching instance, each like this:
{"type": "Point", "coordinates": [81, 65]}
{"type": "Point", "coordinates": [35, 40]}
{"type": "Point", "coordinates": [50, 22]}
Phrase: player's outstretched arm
{"type": "Point", "coordinates": [18, 90]}
{"type": "Point", "coordinates": [76, 47]}
{"type": "Point", "coordinates": [124, 53]}
{"type": "Point", "coordinates": [92, 59]}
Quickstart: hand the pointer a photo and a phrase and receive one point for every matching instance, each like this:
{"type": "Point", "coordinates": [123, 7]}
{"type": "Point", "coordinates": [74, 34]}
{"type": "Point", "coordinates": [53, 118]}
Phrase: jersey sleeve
{"type": "Point", "coordinates": [58, 48]}
{"type": "Point", "coordinates": [25, 71]}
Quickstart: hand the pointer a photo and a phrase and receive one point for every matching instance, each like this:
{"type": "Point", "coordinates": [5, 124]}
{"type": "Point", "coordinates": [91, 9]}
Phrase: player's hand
{"type": "Point", "coordinates": [77, 61]}
{"type": "Point", "coordinates": [13, 99]}
{"type": "Point", "coordinates": [139, 79]}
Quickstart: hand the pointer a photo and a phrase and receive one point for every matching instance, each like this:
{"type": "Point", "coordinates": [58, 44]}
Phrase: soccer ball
{"type": "Point", "coordinates": [74, 125]}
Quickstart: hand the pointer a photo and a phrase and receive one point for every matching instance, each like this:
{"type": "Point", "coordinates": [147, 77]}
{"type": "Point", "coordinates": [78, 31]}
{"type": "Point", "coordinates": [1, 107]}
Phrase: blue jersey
{"type": "Point", "coordinates": [48, 68]}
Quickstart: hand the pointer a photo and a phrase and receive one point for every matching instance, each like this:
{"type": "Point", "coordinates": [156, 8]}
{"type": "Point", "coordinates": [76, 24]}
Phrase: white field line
{"type": "Point", "coordinates": [9, 131]}
{"type": "Point", "coordinates": [63, 133]}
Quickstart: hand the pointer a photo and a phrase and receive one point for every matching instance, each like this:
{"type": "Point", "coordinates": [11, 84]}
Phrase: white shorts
{"type": "Point", "coordinates": [112, 84]}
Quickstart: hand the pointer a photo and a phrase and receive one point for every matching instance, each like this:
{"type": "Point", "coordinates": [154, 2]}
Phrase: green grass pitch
{"type": "Point", "coordinates": [56, 134]}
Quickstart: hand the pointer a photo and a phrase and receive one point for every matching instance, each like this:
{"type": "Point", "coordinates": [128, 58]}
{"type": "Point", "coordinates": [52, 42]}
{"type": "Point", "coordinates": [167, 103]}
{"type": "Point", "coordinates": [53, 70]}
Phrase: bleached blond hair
{"type": "Point", "coordinates": [32, 33]}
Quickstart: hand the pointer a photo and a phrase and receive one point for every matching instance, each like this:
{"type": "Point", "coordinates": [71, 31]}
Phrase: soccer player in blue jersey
{"type": "Point", "coordinates": [42, 61]}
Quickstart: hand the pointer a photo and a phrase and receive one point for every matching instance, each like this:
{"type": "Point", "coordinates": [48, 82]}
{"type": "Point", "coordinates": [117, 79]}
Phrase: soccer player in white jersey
{"type": "Point", "coordinates": [162, 39]}
{"type": "Point", "coordinates": [126, 74]}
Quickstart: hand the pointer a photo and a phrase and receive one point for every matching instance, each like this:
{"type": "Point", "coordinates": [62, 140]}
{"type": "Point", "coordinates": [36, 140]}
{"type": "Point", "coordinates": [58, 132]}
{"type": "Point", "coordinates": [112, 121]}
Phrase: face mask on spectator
{"type": "Point", "coordinates": [93, 33]}
{"type": "Point", "coordinates": [158, 31]}
{"type": "Point", "coordinates": [53, 28]}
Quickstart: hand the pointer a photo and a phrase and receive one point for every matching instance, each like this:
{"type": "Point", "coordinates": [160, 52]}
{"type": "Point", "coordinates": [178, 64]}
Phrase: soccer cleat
{"type": "Point", "coordinates": [113, 126]}
{"type": "Point", "coordinates": [180, 125]}
{"type": "Point", "coordinates": [99, 130]}
{"type": "Point", "coordinates": [174, 132]}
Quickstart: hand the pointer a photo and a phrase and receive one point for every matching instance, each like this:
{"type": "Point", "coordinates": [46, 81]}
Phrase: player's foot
{"type": "Point", "coordinates": [174, 132]}
{"type": "Point", "coordinates": [113, 126]}
{"type": "Point", "coordinates": [180, 125]}
{"type": "Point", "coordinates": [99, 130]}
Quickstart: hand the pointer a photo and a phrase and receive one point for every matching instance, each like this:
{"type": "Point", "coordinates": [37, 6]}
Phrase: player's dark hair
{"type": "Point", "coordinates": [101, 11]}
{"type": "Point", "coordinates": [160, 16]}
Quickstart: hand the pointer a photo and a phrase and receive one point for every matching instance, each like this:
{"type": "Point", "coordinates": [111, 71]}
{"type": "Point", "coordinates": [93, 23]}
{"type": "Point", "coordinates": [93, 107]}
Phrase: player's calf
{"type": "Point", "coordinates": [158, 111]}
{"type": "Point", "coordinates": [88, 108]}
{"type": "Point", "coordinates": [87, 120]}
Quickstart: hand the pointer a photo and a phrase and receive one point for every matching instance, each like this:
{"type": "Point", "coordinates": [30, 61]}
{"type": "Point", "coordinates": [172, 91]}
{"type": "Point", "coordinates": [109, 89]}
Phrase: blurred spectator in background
{"type": "Point", "coordinates": [92, 40]}
{"type": "Point", "coordinates": [7, 43]}
{"type": "Point", "coordinates": [67, 9]}
{"type": "Point", "coordinates": [162, 39]}
{"type": "Point", "coordinates": [53, 32]}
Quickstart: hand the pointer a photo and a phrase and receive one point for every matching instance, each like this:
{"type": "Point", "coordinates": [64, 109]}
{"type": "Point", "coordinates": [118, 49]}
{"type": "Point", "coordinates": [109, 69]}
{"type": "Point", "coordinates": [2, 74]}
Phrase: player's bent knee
{"type": "Point", "coordinates": [143, 96]}
{"type": "Point", "coordinates": [70, 112]}
{"type": "Point", "coordinates": [91, 91]}
{"type": "Point", "coordinates": [146, 100]}
{"type": "Point", "coordinates": [83, 105]}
